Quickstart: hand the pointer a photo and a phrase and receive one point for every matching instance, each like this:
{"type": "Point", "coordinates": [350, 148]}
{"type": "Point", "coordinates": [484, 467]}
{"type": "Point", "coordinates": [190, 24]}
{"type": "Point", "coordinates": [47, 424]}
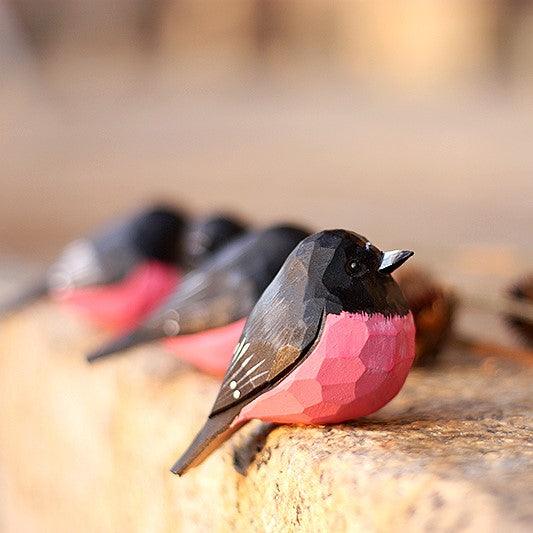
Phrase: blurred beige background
{"type": "Point", "coordinates": [409, 121]}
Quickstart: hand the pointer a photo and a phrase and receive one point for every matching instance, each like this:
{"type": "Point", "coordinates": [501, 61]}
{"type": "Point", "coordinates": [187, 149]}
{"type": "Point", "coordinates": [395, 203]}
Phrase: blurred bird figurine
{"type": "Point", "coordinates": [121, 306]}
{"type": "Point", "coordinates": [330, 340]}
{"type": "Point", "coordinates": [203, 319]}
{"type": "Point", "coordinates": [206, 236]}
{"type": "Point", "coordinates": [144, 245]}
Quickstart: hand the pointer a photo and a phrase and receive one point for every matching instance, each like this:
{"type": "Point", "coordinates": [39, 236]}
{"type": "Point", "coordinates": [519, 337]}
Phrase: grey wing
{"type": "Point", "coordinates": [283, 326]}
{"type": "Point", "coordinates": [205, 301]}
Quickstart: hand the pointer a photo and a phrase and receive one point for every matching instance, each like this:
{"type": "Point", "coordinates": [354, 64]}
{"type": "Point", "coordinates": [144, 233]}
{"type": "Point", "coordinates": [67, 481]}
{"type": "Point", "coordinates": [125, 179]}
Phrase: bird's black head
{"type": "Point", "coordinates": [269, 250]}
{"type": "Point", "coordinates": [158, 232]}
{"type": "Point", "coordinates": [206, 236]}
{"type": "Point", "coordinates": [352, 274]}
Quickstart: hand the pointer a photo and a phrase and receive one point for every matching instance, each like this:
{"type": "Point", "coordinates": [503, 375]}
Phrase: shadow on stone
{"type": "Point", "coordinates": [246, 451]}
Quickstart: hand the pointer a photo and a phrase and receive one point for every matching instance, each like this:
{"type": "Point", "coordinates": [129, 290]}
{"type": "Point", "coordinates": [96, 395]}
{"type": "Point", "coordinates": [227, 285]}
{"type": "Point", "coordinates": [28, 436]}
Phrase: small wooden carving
{"type": "Point", "coordinates": [331, 339]}
{"type": "Point", "coordinates": [121, 306]}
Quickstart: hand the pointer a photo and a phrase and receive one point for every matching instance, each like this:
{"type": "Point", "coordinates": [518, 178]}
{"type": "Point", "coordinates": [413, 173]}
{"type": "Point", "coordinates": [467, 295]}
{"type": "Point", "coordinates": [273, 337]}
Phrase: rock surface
{"type": "Point", "coordinates": [89, 448]}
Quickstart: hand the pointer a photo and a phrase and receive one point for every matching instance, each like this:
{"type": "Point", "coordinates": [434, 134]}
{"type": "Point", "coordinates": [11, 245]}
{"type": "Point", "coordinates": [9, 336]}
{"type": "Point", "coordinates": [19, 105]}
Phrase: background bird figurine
{"type": "Point", "coordinates": [204, 317]}
{"type": "Point", "coordinates": [146, 245]}
{"type": "Point", "coordinates": [123, 305]}
{"type": "Point", "coordinates": [331, 339]}
{"type": "Point", "coordinates": [208, 235]}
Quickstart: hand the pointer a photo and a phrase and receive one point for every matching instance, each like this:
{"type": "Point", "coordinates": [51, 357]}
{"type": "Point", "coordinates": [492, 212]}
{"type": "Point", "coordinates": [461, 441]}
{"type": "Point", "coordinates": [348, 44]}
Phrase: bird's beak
{"type": "Point", "coordinates": [392, 259]}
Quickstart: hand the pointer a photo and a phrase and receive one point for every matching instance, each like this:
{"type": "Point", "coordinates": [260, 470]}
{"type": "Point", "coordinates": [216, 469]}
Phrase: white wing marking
{"type": "Point", "coordinates": [250, 371]}
{"type": "Point", "coordinates": [257, 376]}
{"type": "Point", "coordinates": [239, 352]}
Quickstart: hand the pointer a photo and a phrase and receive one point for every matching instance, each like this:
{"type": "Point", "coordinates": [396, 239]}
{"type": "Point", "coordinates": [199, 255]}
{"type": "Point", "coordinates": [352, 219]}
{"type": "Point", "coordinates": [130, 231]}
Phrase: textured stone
{"type": "Point", "coordinates": [55, 423]}
{"type": "Point", "coordinates": [88, 448]}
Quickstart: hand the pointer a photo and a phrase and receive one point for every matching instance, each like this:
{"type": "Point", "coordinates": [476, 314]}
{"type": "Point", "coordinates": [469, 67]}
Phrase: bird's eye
{"type": "Point", "coordinates": [355, 268]}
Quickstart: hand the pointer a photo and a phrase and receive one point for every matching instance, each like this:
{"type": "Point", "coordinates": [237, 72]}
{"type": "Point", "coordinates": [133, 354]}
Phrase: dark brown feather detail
{"type": "Point", "coordinates": [278, 334]}
{"type": "Point", "coordinates": [284, 358]}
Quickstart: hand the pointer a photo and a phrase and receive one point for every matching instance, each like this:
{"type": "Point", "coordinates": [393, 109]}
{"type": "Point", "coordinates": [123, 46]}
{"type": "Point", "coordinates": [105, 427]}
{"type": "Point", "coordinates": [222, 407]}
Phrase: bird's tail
{"type": "Point", "coordinates": [34, 292]}
{"type": "Point", "coordinates": [216, 431]}
{"type": "Point", "coordinates": [129, 340]}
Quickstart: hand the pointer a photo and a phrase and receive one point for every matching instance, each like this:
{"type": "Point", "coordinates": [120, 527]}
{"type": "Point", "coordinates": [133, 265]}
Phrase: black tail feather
{"type": "Point", "coordinates": [120, 344]}
{"type": "Point", "coordinates": [214, 433]}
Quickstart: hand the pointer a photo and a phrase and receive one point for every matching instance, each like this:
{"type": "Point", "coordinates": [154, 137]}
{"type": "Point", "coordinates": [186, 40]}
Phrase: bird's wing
{"type": "Point", "coordinates": [278, 335]}
{"type": "Point", "coordinates": [205, 301]}
{"type": "Point", "coordinates": [216, 294]}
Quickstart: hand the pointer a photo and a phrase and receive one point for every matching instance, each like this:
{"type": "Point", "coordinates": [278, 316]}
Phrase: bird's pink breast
{"type": "Point", "coordinates": [359, 364]}
{"type": "Point", "coordinates": [122, 305]}
{"type": "Point", "coordinates": [210, 351]}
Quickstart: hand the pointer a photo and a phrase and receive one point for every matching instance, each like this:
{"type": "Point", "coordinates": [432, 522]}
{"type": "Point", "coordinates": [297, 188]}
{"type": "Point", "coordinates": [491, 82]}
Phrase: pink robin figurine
{"type": "Point", "coordinates": [120, 306]}
{"type": "Point", "coordinates": [143, 246]}
{"type": "Point", "coordinates": [330, 340]}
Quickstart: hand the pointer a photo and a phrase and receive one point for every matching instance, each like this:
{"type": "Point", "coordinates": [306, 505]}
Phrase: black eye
{"type": "Point", "coordinates": [355, 268]}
